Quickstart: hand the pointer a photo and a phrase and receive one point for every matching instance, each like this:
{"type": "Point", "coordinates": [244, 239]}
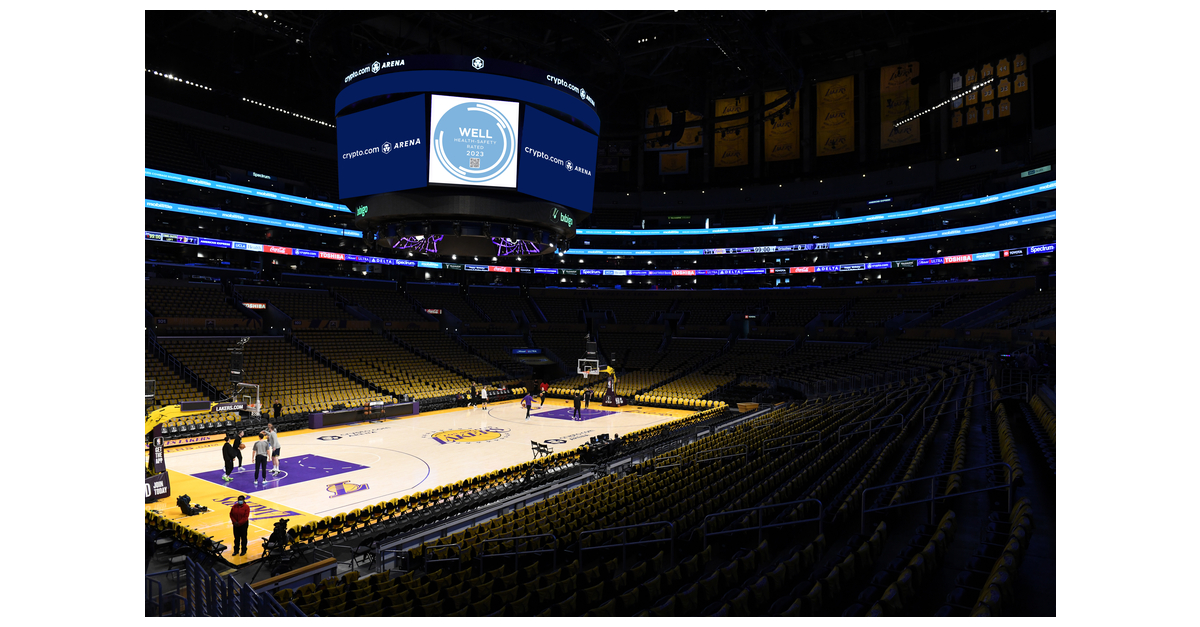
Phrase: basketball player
{"type": "Point", "coordinates": [237, 449]}
{"type": "Point", "coordinates": [227, 454]}
{"type": "Point", "coordinates": [528, 403]}
{"type": "Point", "coordinates": [273, 440]}
{"type": "Point", "coordinates": [545, 386]}
{"type": "Point", "coordinates": [471, 400]}
{"type": "Point", "coordinates": [576, 406]}
{"type": "Point", "coordinates": [587, 398]}
{"type": "Point", "coordinates": [483, 394]}
{"type": "Point", "coordinates": [262, 452]}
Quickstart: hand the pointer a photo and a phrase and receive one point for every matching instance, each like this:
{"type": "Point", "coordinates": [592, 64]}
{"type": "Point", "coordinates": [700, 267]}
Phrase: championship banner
{"type": "Point", "coordinates": [781, 136]}
{"type": "Point", "coordinates": [693, 137]}
{"type": "Point", "coordinates": [731, 145]}
{"type": "Point", "coordinates": [673, 162]}
{"type": "Point", "coordinates": [835, 117]}
{"type": "Point", "coordinates": [655, 117]}
{"type": "Point", "coordinates": [898, 98]}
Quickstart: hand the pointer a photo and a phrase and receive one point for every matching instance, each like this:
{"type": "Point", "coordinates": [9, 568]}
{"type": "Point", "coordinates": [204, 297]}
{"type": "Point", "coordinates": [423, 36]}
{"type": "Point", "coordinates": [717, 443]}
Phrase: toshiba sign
{"type": "Point", "coordinates": [254, 305]}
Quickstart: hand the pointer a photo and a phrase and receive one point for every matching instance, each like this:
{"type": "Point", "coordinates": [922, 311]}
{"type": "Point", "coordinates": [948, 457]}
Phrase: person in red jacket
{"type": "Point", "coordinates": [239, 515]}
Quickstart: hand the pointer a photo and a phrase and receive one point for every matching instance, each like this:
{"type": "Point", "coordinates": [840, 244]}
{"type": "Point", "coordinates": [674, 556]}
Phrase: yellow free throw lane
{"type": "Point", "coordinates": [216, 524]}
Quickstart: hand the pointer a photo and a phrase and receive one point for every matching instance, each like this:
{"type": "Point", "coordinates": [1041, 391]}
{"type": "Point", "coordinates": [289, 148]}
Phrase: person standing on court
{"type": "Point", "coordinates": [576, 395]}
{"type": "Point", "coordinates": [545, 386]}
{"type": "Point", "coordinates": [483, 395]}
{"type": "Point", "coordinates": [587, 398]}
{"type": "Point", "coordinates": [262, 452]}
{"type": "Point", "coordinates": [273, 441]}
{"type": "Point", "coordinates": [239, 515]}
{"type": "Point", "coordinates": [227, 454]}
{"type": "Point", "coordinates": [471, 401]}
{"type": "Point", "coordinates": [237, 449]}
{"type": "Point", "coordinates": [528, 403]}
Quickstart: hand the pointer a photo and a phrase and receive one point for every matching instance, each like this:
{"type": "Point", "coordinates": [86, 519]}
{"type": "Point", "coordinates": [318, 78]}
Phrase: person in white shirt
{"type": "Point", "coordinates": [273, 440]}
{"type": "Point", "coordinates": [483, 394]}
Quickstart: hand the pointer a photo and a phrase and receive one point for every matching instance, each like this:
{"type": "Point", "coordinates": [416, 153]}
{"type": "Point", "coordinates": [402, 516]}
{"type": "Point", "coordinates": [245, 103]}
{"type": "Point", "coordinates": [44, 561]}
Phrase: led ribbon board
{"type": "Point", "coordinates": [171, 238]}
{"type": "Point", "coordinates": [239, 217]}
{"type": "Point", "coordinates": [975, 202]}
{"type": "Point", "coordinates": [875, 241]}
{"type": "Point", "coordinates": [249, 191]}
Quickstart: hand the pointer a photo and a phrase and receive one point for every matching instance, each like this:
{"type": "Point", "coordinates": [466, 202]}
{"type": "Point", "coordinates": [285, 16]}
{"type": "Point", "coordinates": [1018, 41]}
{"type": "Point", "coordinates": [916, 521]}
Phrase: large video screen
{"type": "Point", "coordinates": [558, 161]}
{"type": "Point", "coordinates": [382, 149]}
{"type": "Point", "coordinates": [473, 141]}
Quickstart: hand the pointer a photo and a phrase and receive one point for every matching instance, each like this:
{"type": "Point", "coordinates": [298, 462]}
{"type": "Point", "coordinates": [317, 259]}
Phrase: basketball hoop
{"type": "Point", "coordinates": [586, 371]}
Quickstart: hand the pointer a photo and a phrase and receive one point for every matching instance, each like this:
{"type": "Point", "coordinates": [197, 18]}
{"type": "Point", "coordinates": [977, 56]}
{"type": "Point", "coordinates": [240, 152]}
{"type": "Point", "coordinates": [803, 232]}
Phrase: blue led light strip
{"type": "Point", "coordinates": [789, 248]}
{"type": "Point", "coordinates": [192, 240]}
{"type": "Point", "coordinates": [240, 217]}
{"type": "Point", "coordinates": [974, 202]}
{"type": "Point", "coordinates": [249, 191]}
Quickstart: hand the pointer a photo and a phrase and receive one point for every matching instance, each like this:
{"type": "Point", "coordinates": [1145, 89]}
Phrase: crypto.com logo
{"type": "Point", "coordinates": [387, 147]}
{"type": "Point", "coordinates": [375, 67]}
{"type": "Point", "coordinates": [477, 63]}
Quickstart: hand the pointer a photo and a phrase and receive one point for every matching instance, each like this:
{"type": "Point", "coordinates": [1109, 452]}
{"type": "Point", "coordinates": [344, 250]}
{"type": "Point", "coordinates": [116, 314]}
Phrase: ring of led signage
{"type": "Point", "coordinates": [469, 126]}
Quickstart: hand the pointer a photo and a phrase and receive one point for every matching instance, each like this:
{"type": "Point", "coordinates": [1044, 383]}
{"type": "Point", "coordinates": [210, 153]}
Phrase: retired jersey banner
{"type": "Point", "coordinates": [657, 117]}
{"type": "Point", "coordinates": [731, 145]}
{"type": "Point", "coordinates": [781, 135]}
{"type": "Point", "coordinates": [673, 162]}
{"type": "Point", "coordinates": [898, 99]}
{"type": "Point", "coordinates": [835, 117]}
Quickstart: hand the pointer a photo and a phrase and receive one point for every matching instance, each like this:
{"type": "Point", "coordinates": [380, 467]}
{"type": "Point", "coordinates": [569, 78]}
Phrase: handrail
{"type": "Point", "coordinates": [516, 554]}
{"type": "Point", "coordinates": [925, 413]}
{"type": "Point", "coordinates": [933, 487]}
{"type": "Point", "coordinates": [425, 550]}
{"type": "Point", "coordinates": [817, 440]}
{"type": "Point", "coordinates": [745, 453]}
{"type": "Point", "coordinates": [624, 545]}
{"type": "Point", "coordinates": [868, 421]}
{"type": "Point", "coordinates": [1019, 384]}
{"type": "Point", "coordinates": [704, 535]}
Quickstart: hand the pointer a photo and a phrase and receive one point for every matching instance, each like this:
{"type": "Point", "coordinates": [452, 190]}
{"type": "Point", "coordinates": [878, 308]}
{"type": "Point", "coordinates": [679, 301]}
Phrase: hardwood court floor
{"type": "Point", "coordinates": [338, 469]}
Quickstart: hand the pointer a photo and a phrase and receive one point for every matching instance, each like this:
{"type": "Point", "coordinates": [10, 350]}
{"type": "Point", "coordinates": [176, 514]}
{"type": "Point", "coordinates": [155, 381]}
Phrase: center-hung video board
{"type": "Point", "coordinates": [480, 123]}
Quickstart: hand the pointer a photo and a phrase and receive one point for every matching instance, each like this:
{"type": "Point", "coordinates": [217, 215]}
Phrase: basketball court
{"type": "Point", "coordinates": [338, 469]}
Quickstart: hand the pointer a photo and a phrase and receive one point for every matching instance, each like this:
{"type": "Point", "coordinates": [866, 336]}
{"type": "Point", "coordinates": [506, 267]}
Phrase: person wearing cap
{"type": "Point", "coordinates": [227, 453]}
{"type": "Point", "coordinates": [239, 515]}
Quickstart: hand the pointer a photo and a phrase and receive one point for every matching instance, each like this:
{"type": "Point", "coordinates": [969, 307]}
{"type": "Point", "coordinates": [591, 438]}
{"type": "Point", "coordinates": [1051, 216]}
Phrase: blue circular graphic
{"type": "Point", "coordinates": [474, 142]}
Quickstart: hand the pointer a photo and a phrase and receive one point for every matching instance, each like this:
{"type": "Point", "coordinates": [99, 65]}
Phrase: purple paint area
{"type": "Point", "coordinates": [291, 471]}
{"type": "Point", "coordinates": [567, 413]}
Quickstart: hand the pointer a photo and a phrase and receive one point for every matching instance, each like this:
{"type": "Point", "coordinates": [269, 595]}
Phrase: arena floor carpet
{"type": "Point", "coordinates": [338, 469]}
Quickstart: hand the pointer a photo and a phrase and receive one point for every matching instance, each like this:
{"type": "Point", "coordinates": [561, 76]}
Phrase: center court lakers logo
{"type": "Point", "coordinates": [343, 488]}
{"type": "Point", "coordinates": [468, 436]}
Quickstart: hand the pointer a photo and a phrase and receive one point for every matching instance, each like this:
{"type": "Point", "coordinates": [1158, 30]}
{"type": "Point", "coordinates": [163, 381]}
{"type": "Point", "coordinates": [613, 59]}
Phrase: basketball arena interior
{"type": "Point", "coordinates": [771, 295]}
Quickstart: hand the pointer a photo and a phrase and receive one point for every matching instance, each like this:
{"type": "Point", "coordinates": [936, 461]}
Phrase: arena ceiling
{"type": "Point", "coordinates": [625, 58]}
